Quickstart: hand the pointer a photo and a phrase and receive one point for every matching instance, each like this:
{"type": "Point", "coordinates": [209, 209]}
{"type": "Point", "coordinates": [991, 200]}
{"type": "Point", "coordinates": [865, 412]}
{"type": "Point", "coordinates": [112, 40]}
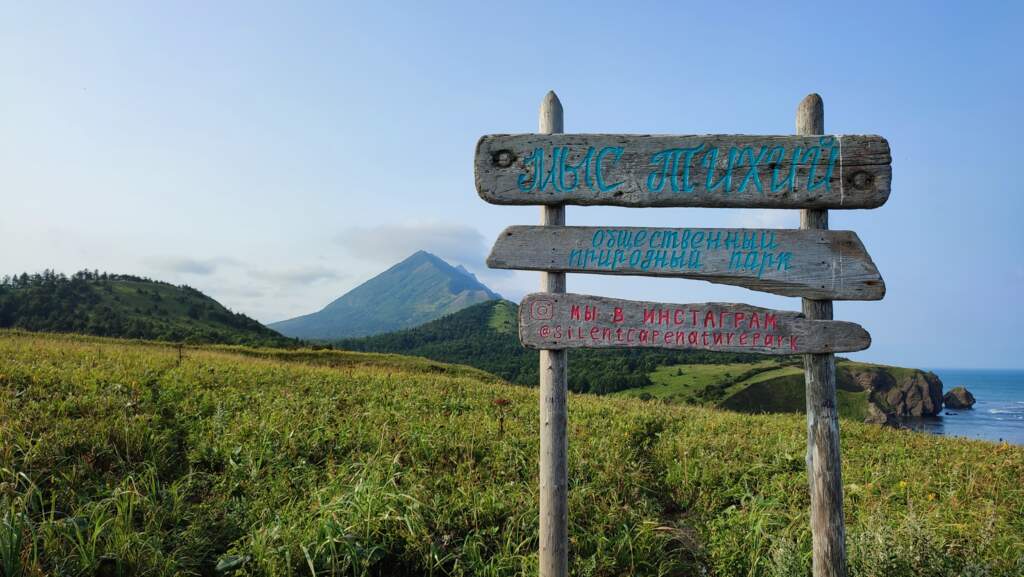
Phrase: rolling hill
{"type": "Point", "coordinates": [419, 289]}
{"type": "Point", "coordinates": [485, 336]}
{"type": "Point", "coordinates": [125, 306]}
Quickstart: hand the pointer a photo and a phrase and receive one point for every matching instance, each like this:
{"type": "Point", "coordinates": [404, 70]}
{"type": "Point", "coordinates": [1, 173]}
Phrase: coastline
{"type": "Point", "coordinates": [997, 416]}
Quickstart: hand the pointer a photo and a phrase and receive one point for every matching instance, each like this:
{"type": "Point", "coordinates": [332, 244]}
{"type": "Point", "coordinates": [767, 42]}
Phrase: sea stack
{"type": "Point", "coordinates": [958, 398]}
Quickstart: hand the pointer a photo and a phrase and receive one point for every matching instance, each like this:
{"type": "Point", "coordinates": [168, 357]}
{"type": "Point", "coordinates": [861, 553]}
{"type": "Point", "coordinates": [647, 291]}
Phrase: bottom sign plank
{"type": "Point", "coordinates": [569, 321]}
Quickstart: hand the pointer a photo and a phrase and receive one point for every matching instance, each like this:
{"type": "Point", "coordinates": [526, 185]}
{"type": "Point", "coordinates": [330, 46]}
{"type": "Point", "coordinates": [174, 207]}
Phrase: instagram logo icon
{"type": "Point", "coordinates": [542, 310]}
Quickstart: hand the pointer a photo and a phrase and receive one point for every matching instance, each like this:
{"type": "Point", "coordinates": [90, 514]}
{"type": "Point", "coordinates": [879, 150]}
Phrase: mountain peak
{"type": "Point", "coordinates": [422, 255]}
{"type": "Point", "coordinates": [418, 289]}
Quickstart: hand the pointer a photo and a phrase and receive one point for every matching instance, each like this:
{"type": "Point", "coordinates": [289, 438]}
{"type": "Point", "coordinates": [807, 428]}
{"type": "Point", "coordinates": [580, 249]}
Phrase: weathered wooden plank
{"type": "Point", "coordinates": [564, 321]}
{"type": "Point", "coordinates": [810, 263]}
{"type": "Point", "coordinates": [848, 171]}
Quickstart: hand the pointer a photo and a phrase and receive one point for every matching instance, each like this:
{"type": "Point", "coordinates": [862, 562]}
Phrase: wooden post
{"type": "Point", "coordinates": [828, 533]}
{"type": "Point", "coordinates": [554, 507]}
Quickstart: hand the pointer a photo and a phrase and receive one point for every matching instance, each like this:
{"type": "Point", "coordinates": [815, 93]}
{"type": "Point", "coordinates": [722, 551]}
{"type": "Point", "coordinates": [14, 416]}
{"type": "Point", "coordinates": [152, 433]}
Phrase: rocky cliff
{"type": "Point", "coordinates": [895, 391]}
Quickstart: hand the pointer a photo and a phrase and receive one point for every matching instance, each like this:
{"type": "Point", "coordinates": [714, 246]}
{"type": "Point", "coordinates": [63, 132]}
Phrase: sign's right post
{"type": "Point", "coordinates": [828, 532]}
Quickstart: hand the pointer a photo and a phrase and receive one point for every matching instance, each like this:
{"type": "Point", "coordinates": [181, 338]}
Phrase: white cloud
{"type": "Point", "coordinates": [388, 243]}
{"type": "Point", "coordinates": [192, 266]}
{"type": "Point", "coordinates": [298, 275]}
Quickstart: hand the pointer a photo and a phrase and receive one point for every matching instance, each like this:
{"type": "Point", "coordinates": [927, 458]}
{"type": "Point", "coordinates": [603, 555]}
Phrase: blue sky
{"type": "Point", "coordinates": [277, 156]}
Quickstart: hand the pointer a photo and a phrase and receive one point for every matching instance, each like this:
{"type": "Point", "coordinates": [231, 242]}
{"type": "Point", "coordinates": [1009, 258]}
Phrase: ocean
{"type": "Point", "coordinates": [998, 413]}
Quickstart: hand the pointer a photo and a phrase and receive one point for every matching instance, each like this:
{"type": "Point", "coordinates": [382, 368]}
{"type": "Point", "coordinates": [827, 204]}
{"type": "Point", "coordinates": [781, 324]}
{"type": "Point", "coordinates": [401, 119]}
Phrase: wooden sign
{"type": "Point", "coordinates": [820, 264]}
{"type": "Point", "coordinates": [710, 171]}
{"type": "Point", "coordinates": [812, 171]}
{"type": "Point", "coordinates": [567, 321]}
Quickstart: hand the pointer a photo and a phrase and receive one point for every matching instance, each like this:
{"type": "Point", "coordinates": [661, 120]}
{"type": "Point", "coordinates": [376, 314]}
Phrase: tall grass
{"type": "Point", "coordinates": [116, 460]}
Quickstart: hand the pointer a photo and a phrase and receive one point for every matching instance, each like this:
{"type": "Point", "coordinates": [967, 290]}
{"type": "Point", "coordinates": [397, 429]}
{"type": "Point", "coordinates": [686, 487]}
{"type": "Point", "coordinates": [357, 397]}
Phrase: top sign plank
{"type": "Point", "coordinates": [719, 171]}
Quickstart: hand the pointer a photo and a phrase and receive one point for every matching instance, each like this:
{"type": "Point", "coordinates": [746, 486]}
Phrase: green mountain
{"type": "Point", "coordinates": [419, 289]}
{"type": "Point", "coordinates": [124, 306]}
{"type": "Point", "coordinates": [485, 336]}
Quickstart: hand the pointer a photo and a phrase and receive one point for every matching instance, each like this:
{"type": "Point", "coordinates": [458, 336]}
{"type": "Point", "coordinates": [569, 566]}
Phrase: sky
{"type": "Point", "coordinates": [277, 155]}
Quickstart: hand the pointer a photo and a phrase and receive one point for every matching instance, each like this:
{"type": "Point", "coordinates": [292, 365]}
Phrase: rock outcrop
{"type": "Point", "coordinates": [877, 394]}
{"type": "Point", "coordinates": [896, 392]}
{"type": "Point", "coordinates": [877, 416]}
{"type": "Point", "coordinates": [958, 398]}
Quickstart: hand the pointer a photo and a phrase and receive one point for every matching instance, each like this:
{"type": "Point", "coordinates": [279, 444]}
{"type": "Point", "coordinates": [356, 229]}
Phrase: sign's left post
{"type": "Point", "coordinates": [554, 446]}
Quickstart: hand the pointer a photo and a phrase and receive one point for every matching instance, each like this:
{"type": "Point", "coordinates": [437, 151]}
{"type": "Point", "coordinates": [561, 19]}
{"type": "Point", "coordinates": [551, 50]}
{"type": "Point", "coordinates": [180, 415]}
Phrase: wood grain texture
{"type": "Point", "coordinates": [824, 466]}
{"type": "Point", "coordinates": [563, 321]}
{"type": "Point", "coordinates": [819, 264]}
{"type": "Point", "coordinates": [635, 170]}
{"type": "Point", "coordinates": [553, 556]}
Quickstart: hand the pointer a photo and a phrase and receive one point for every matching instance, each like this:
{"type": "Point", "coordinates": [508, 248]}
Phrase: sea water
{"type": "Point", "coordinates": [998, 414]}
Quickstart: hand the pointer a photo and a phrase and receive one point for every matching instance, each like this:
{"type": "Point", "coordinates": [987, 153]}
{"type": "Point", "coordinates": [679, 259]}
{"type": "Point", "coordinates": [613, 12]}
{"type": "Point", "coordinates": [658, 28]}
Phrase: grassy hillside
{"type": "Point", "coordinates": [783, 391]}
{"type": "Point", "coordinates": [769, 386]}
{"type": "Point", "coordinates": [486, 336]}
{"type": "Point", "coordinates": [116, 459]}
{"type": "Point", "coordinates": [699, 384]}
{"type": "Point", "coordinates": [125, 306]}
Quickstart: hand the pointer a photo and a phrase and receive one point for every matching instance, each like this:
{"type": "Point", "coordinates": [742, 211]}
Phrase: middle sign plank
{"type": "Point", "coordinates": [564, 321]}
{"type": "Point", "coordinates": [711, 170]}
{"type": "Point", "coordinates": [816, 264]}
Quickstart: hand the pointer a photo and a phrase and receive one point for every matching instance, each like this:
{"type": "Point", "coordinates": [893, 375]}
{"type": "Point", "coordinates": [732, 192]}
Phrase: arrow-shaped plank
{"type": "Point", "coordinates": [817, 264]}
{"type": "Point", "coordinates": [565, 321]}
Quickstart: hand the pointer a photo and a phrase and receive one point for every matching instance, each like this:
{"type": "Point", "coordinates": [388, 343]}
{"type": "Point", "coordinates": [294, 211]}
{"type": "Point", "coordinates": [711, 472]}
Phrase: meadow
{"type": "Point", "coordinates": [698, 384]}
{"type": "Point", "coordinates": [122, 458]}
{"type": "Point", "coordinates": [769, 386]}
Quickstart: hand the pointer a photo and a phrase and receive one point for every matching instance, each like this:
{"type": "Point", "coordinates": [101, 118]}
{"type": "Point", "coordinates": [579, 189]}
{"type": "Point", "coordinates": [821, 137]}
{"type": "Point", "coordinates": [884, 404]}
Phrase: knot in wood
{"type": "Point", "coordinates": [504, 158]}
{"type": "Point", "coordinates": [862, 180]}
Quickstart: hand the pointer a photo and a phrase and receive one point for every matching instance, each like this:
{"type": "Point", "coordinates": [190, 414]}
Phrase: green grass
{"type": "Point", "coordinates": [687, 383]}
{"type": "Point", "coordinates": [383, 362]}
{"type": "Point", "coordinates": [773, 374]}
{"type": "Point", "coordinates": [896, 372]}
{"type": "Point", "coordinates": [115, 459]}
{"type": "Point", "coordinates": [783, 391]}
{"type": "Point", "coordinates": [764, 387]}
